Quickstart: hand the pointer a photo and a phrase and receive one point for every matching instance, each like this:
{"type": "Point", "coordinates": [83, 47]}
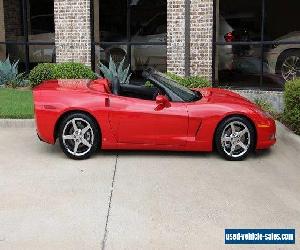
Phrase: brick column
{"type": "Point", "coordinates": [176, 37]}
{"type": "Point", "coordinates": [72, 31]}
{"type": "Point", "coordinates": [201, 37]}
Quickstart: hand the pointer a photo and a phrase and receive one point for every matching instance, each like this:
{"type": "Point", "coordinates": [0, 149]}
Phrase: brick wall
{"type": "Point", "coordinates": [201, 37]}
{"type": "Point", "coordinates": [72, 31]}
{"type": "Point", "coordinates": [73, 41]}
{"type": "Point", "coordinates": [176, 38]}
{"type": "Point", "coordinates": [201, 33]}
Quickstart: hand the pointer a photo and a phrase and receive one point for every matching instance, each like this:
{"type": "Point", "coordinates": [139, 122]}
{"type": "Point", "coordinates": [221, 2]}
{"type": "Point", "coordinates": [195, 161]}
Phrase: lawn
{"type": "Point", "coordinates": [16, 104]}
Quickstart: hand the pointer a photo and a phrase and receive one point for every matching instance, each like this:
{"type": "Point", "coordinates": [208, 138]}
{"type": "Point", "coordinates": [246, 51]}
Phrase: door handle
{"type": "Point", "coordinates": [107, 102]}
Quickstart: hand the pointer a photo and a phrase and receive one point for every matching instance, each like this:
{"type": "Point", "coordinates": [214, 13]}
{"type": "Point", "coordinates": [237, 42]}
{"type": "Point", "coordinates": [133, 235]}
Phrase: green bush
{"type": "Point", "coordinates": [42, 72]}
{"type": "Point", "coordinates": [73, 71]}
{"type": "Point", "coordinates": [191, 81]}
{"type": "Point", "coordinates": [70, 70]}
{"type": "Point", "coordinates": [291, 115]}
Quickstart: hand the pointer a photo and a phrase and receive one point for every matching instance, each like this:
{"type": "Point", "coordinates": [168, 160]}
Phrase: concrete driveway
{"type": "Point", "coordinates": [142, 200]}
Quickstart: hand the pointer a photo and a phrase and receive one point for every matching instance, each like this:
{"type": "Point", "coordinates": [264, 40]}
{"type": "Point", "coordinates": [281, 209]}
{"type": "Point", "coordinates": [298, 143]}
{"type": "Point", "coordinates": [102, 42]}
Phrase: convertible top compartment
{"type": "Point", "coordinates": [100, 85]}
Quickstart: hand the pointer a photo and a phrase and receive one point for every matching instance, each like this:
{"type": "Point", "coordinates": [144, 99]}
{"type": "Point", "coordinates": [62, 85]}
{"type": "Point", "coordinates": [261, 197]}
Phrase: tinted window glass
{"type": "Point", "coordinates": [41, 19]}
{"type": "Point", "coordinates": [39, 26]}
{"type": "Point", "coordinates": [282, 20]}
{"type": "Point", "coordinates": [112, 20]}
{"type": "Point", "coordinates": [243, 18]}
{"type": "Point", "coordinates": [134, 29]}
{"type": "Point", "coordinates": [11, 23]}
{"type": "Point", "coordinates": [255, 52]}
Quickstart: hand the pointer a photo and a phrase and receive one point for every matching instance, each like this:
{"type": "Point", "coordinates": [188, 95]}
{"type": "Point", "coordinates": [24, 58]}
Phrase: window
{"type": "Point", "coordinates": [27, 32]}
{"type": "Point", "coordinates": [135, 29]}
{"type": "Point", "coordinates": [255, 47]}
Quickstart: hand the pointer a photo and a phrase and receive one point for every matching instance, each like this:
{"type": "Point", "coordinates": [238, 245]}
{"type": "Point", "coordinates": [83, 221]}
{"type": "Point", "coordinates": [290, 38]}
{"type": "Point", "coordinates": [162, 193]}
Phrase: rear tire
{"type": "Point", "coordinates": [79, 136]}
{"type": "Point", "coordinates": [235, 138]}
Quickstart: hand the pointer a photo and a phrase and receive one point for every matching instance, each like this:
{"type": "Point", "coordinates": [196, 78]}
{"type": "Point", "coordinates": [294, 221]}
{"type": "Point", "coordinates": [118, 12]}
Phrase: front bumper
{"type": "Point", "coordinates": [266, 134]}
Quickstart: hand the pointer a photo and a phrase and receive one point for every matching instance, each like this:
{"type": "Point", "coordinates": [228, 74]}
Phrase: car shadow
{"type": "Point", "coordinates": [158, 153]}
{"type": "Point", "coordinates": [57, 152]}
{"type": "Point", "coordinates": [262, 153]}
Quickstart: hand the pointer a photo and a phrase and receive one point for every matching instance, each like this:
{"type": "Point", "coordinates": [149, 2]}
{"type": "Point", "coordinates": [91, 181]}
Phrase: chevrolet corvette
{"type": "Point", "coordinates": [87, 115]}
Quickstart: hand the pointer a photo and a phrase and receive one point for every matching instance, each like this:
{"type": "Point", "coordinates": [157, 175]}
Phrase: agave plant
{"type": "Point", "coordinates": [113, 71]}
{"type": "Point", "coordinates": [9, 75]}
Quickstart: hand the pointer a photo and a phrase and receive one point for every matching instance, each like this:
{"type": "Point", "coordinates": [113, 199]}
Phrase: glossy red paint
{"type": "Point", "coordinates": [131, 123]}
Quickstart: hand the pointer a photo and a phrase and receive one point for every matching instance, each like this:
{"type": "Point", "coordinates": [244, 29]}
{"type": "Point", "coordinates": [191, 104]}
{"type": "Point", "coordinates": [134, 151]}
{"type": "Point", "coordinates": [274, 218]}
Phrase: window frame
{"type": "Point", "coordinates": [261, 43]}
{"type": "Point", "coordinates": [128, 43]}
{"type": "Point", "coordinates": [27, 43]}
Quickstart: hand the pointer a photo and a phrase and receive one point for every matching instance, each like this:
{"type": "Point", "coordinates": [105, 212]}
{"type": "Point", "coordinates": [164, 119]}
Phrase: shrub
{"type": "Point", "coordinates": [148, 84]}
{"type": "Point", "coordinates": [9, 74]}
{"type": "Point", "coordinates": [70, 70]}
{"type": "Point", "coordinates": [191, 81]}
{"type": "Point", "coordinates": [291, 115]}
{"type": "Point", "coordinates": [73, 70]}
{"type": "Point", "coordinates": [113, 71]}
{"type": "Point", "coordinates": [42, 72]}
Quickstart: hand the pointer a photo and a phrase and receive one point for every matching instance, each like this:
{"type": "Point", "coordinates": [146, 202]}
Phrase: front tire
{"type": "Point", "coordinates": [235, 138]}
{"type": "Point", "coordinates": [78, 136]}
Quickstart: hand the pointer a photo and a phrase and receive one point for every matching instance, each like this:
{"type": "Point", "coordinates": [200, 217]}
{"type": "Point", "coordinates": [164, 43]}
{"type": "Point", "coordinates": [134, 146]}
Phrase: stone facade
{"type": "Point", "coordinates": [72, 31]}
{"type": "Point", "coordinates": [273, 97]}
{"type": "Point", "coordinates": [201, 36]}
{"type": "Point", "coordinates": [73, 40]}
{"type": "Point", "coordinates": [176, 37]}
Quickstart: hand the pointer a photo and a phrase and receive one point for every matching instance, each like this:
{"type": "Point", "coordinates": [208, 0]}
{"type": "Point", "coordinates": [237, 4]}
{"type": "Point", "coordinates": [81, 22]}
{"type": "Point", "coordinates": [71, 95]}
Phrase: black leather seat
{"type": "Point", "coordinates": [130, 90]}
{"type": "Point", "coordinates": [142, 92]}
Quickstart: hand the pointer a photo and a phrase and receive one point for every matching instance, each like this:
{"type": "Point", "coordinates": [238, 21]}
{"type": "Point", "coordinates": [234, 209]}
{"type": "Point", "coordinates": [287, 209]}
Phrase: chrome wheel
{"type": "Point", "coordinates": [78, 137]}
{"type": "Point", "coordinates": [236, 139]}
{"type": "Point", "coordinates": [290, 68]}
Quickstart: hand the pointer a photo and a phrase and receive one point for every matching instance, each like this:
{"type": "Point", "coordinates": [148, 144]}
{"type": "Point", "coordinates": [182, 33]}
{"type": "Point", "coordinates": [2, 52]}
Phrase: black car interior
{"type": "Point", "coordinates": [159, 85]}
{"type": "Point", "coordinates": [134, 91]}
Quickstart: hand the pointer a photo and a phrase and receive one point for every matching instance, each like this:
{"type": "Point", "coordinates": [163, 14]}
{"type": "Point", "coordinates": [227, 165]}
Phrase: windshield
{"type": "Point", "coordinates": [184, 93]}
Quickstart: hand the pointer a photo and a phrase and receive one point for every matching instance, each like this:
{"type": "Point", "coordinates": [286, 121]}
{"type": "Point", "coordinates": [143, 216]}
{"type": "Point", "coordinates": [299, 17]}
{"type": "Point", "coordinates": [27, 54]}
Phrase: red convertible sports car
{"type": "Point", "coordinates": [87, 115]}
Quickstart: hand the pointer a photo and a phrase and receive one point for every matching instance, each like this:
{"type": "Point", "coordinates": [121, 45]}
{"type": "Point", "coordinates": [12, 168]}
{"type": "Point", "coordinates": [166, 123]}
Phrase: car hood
{"type": "Point", "coordinates": [295, 35]}
{"type": "Point", "coordinates": [215, 95]}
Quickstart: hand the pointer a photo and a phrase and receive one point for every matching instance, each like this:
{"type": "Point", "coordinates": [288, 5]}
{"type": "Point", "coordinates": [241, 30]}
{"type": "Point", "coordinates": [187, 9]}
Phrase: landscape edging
{"type": "Point", "coordinates": [17, 123]}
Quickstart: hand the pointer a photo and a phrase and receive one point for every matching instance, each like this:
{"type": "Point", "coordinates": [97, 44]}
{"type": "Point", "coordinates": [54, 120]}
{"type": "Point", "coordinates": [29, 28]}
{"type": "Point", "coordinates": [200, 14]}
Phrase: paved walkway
{"type": "Point", "coordinates": [141, 200]}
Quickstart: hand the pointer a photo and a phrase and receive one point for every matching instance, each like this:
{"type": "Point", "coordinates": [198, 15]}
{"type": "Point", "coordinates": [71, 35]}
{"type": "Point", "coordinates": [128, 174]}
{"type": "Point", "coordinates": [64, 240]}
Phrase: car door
{"type": "Point", "coordinates": [140, 121]}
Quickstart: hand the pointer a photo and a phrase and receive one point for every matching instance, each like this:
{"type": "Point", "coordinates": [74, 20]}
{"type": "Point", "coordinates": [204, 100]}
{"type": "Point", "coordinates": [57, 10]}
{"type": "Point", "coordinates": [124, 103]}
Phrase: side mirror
{"type": "Point", "coordinates": [162, 101]}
